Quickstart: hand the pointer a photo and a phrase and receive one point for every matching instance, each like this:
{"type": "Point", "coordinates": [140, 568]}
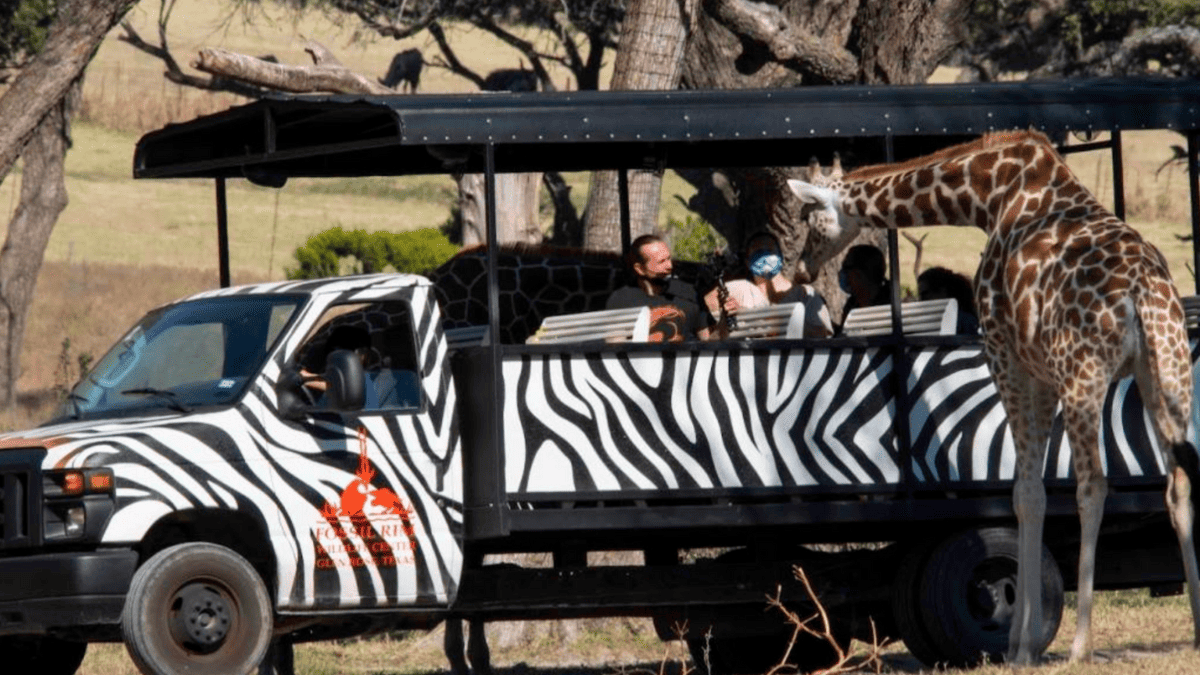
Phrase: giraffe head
{"type": "Point", "coordinates": [829, 231]}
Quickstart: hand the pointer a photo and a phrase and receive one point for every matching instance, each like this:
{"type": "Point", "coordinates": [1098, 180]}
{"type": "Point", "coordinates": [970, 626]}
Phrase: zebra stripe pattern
{"type": "Point", "coordinates": [607, 421]}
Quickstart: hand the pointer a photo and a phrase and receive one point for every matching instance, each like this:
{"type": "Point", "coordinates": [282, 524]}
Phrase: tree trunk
{"type": "Point", "coordinates": [43, 198]}
{"type": "Point", "coordinates": [516, 208]}
{"type": "Point", "coordinates": [654, 37]}
{"type": "Point", "coordinates": [34, 114]}
{"type": "Point", "coordinates": [43, 83]}
{"type": "Point", "coordinates": [898, 41]}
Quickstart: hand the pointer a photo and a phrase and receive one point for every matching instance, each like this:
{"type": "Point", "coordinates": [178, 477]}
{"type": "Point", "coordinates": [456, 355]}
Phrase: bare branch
{"type": "Point", "coordinates": [176, 74]}
{"type": "Point", "coordinates": [789, 44]}
{"type": "Point", "coordinates": [524, 46]}
{"type": "Point", "coordinates": [295, 79]}
{"type": "Point", "coordinates": [452, 63]}
{"type": "Point", "coordinates": [396, 28]}
{"type": "Point", "coordinates": [919, 244]}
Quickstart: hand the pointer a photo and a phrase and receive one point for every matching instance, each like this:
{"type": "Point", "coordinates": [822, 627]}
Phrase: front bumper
{"type": "Point", "coordinates": [57, 592]}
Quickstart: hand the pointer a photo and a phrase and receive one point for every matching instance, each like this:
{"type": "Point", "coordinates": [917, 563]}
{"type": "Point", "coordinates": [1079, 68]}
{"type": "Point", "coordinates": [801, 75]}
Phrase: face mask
{"type": "Point", "coordinates": [766, 265]}
{"type": "Point", "coordinates": [844, 281]}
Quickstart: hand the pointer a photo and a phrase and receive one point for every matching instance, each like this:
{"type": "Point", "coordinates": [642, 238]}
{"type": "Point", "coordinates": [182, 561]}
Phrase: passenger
{"type": "Point", "coordinates": [766, 285]}
{"type": "Point", "coordinates": [676, 311]}
{"type": "Point", "coordinates": [940, 283]}
{"type": "Point", "coordinates": [864, 277]}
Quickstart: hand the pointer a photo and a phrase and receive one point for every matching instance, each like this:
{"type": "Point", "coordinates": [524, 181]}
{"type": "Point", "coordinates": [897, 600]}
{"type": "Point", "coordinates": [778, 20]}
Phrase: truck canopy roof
{"type": "Point", "coordinates": [283, 136]}
{"type": "Point", "coordinates": [348, 284]}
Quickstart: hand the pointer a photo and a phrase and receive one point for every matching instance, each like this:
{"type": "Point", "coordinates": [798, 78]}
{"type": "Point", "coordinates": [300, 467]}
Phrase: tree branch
{"type": "Point", "coordinates": [395, 29]}
{"type": "Point", "coordinates": [452, 63]}
{"type": "Point", "coordinates": [524, 46]}
{"type": "Point", "coordinates": [791, 45]}
{"type": "Point", "coordinates": [176, 74]}
{"type": "Point", "coordinates": [296, 79]}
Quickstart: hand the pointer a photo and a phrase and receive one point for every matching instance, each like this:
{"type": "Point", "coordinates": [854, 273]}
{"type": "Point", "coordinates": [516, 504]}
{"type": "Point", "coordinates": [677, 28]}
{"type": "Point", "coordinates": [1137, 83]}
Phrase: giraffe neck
{"type": "Point", "coordinates": [992, 187]}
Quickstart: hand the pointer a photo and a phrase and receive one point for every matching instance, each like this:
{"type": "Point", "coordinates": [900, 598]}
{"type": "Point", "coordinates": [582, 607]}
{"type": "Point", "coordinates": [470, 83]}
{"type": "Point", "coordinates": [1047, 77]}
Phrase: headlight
{"type": "Point", "coordinates": [70, 496]}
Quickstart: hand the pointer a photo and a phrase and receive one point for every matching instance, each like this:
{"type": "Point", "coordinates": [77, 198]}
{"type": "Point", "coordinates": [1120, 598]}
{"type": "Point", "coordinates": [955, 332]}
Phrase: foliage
{"type": "Point", "coordinates": [693, 239]}
{"type": "Point", "coordinates": [336, 251]}
{"type": "Point", "coordinates": [583, 29]}
{"type": "Point", "coordinates": [1048, 38]}
{"type": "Point", "coordinates": [24, 25]}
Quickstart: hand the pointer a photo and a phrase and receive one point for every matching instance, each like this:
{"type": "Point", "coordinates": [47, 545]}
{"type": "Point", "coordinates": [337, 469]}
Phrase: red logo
{"type": "Point", "coordinates": [380, 530]}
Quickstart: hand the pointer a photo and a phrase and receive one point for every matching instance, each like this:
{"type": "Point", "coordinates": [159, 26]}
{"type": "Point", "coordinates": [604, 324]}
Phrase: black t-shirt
{"type": "Point", "coordinates": [675, 315]}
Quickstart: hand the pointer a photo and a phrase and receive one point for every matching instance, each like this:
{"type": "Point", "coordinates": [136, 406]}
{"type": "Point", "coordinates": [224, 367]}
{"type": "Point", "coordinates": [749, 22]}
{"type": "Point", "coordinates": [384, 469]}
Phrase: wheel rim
{"type": "Point", "coordinates": [992, 598]}
{"type": "Point", "coordinates": [202, 616]}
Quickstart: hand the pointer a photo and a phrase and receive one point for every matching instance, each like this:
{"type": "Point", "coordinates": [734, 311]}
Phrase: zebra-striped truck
{"type": "Point", "coordinates": [233, 477]}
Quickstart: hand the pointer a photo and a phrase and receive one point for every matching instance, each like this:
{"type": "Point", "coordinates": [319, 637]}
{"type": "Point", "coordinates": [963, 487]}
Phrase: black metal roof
{"type": "Point", "coordinates": [414, 134]}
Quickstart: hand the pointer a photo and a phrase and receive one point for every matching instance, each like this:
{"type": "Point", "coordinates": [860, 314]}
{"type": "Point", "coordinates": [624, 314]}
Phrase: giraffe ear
{"type": "Point", "coordinates": [809, 193]}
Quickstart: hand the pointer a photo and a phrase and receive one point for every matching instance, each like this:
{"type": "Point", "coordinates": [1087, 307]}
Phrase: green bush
{"type": "Point", "coordinates": [693, 239]}
{"type": "Point", "coordinates": [337, 252]}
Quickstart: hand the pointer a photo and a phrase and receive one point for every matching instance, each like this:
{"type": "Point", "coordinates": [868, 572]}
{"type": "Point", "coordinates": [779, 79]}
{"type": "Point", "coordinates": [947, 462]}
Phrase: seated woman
{"type": "Point", "coordinates": [765, 285]}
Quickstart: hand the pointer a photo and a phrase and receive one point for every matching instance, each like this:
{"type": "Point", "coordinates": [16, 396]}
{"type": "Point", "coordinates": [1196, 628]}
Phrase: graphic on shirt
{"type": "Point", "coordinates": [667, 324]}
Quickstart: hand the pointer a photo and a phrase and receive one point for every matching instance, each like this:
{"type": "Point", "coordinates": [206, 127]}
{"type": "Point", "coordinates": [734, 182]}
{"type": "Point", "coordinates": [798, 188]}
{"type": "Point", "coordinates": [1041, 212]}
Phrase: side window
{"type": "Point", "coordinates": [382, 335]}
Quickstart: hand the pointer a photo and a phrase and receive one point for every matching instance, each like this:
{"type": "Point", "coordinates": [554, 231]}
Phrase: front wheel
{"type": "Point", "coordinates": [198, 608]}
{"type": "Point", "coordinates": [41, 654]}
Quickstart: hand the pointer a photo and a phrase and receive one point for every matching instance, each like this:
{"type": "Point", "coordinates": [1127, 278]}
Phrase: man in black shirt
{"type": "Point", "coordinates": [676, 313]}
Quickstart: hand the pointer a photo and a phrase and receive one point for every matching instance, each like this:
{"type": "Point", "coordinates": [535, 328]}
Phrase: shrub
{"type": "Point", "coordinates": [693, 239]}
{"type": "Point", "coordinates": [336, 252]}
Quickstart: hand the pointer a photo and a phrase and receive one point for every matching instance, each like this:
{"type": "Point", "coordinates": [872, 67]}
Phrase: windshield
{"type": "Point", "coordinates": [184, 356]}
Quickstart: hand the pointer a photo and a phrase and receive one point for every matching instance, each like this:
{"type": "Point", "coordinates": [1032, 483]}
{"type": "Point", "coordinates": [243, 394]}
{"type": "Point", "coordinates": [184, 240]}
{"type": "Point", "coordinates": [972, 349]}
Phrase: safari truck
{"type": "Point", "coordinates": [199, 498]}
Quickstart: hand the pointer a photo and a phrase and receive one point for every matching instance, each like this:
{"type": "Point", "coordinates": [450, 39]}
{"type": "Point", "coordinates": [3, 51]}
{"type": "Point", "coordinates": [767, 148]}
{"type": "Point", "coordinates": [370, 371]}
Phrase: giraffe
{"type": "Point", "coordinates": [535, 281]}
{"type": "Point", "coordinates": [1070, 299]}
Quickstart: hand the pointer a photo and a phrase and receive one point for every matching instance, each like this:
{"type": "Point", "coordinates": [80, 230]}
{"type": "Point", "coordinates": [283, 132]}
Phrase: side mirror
{"type": "Point", "coordinates": [344, 381]}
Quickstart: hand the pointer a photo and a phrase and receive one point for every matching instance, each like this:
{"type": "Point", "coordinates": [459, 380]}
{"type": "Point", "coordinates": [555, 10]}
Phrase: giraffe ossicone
{"type": "Point", "coordinates": [1070, 299]}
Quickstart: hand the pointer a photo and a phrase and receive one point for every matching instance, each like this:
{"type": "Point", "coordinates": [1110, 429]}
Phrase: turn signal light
{"type": "Point", "coordinates": [100, 482]}
{"type": "Point", "coordinates": [78, 482]}
{"type": "Point", "coordinates": [72, 483]}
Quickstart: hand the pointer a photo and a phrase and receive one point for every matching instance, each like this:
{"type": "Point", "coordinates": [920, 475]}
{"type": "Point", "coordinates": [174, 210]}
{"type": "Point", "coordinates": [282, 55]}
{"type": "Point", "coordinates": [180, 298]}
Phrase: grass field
{"type": "Point", "coordinates": [122, 247]}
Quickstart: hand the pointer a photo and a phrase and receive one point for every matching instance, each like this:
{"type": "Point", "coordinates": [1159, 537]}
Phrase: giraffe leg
{"type": "Point", "coordinates": [1169, 400]}
{"type": "Point", "coordinates": [1082, 402]}
{"type": "Point", "coordinates": [1183, 517]}
{"type": "Point", "coordinates": [1030, 408]}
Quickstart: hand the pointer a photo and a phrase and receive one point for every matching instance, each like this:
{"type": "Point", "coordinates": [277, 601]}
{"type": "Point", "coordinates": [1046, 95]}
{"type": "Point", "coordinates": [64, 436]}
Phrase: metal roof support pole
{"type": "Point", "coordinates": [493, 246]}
{"type": "Point", "coordinates": [222, 233]}
{"type": "Point", "coordinates": [893, 236]}
{"type": "Point", "coordinates": [623, 198]}
{"type": "Point", "coordinates": [1193, 160]}
{"type": "Point", "coordinates": [1118, 170]}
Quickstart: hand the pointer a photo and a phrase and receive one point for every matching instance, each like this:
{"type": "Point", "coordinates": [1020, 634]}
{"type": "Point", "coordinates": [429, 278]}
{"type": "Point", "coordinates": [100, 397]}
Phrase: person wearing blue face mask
{"type": "Point", "coordinates": [767, 285]}
{"type": "Point", "coordinates": [863, 276]}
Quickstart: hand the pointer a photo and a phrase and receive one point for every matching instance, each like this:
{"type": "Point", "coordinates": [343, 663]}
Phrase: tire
{"type": "Point", "coordinates": [968, 596]}
{"type": "Point", "coordinates": [198, 608]}
{"type": "Point", "coordinates": [906, 604]}
{"type": "Point", "coordinates": [42, 655]}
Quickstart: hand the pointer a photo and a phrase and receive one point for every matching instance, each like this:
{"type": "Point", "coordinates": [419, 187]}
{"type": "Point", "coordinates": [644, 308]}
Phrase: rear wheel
{"type": "Point", "coordinates": [42, 655]}
{"type": "Point", "coordinates": [906, 604]}
{"type": "Point", "coordinates": [969, 591]}
{"type": "Point", "coordinates": [198, 608]}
